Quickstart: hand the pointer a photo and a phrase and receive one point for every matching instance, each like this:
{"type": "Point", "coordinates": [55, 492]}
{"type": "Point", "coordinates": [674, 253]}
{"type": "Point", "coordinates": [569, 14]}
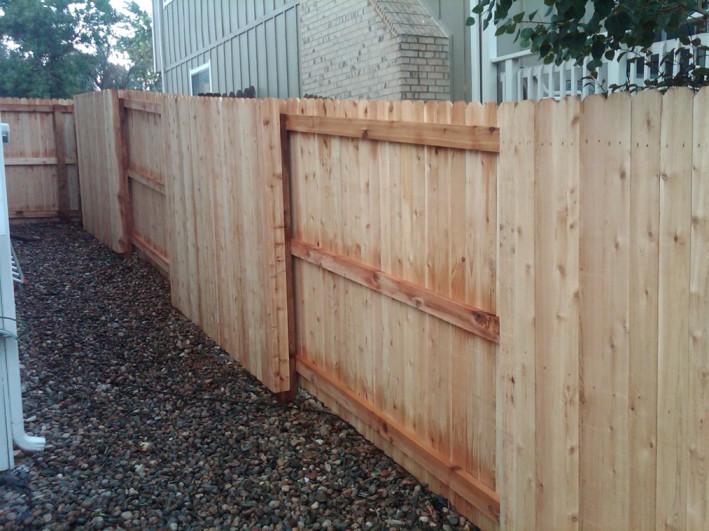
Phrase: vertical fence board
{"type": "Point", "coordinates": [698, 414]}
{"type": "Point", "coordinates": [605, 254]}
{"type": "Point", "coordinates": [557, 309]}
{"type": "Point", "coordinates": [643, 288]}
{"type": "Point", "coordinates": [515, 302]}
{"type": "Point", "coordinates": [63, 198]}
{"type": "Point", "coordinates": [673, 319]}
{"type": "Point", "coordinates": [475, 360]}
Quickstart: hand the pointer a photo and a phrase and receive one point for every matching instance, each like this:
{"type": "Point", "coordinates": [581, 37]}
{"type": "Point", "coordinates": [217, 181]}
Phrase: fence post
{"type": "Point", "coordinates": [63, 200]}
{"type": "Point", "coordinates": [288, 396]}
{"type": "Point", "coordinates": [120, 138]}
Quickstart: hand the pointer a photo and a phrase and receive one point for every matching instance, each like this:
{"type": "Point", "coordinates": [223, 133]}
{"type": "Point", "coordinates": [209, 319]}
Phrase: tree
{"type": "Point", "coordinates": [40, 55]}
{"type": "Point", "coordinates": [95, 22]}
{"type": "Point", "coordinates": [137, 45]}
{"type": "Point", "coordinates": [609, 29]}
{"type": "Point", "coordinates": [57, 48]}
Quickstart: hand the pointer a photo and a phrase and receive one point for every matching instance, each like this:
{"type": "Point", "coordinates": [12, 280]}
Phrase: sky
{"type": "Point", "coordinates": [145, 5]}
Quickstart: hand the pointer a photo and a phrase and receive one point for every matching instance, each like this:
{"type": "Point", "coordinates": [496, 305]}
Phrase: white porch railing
{"type": "Point", "coordinates": [521, 77]}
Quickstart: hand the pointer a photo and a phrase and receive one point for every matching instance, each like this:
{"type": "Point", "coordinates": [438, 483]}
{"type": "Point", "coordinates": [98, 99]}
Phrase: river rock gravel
{"type": "Point", "coordinates": [149, 425]}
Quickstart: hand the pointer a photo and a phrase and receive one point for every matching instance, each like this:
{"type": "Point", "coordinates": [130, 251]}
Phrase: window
{"type": "Point", "coordinates": [201, 79]}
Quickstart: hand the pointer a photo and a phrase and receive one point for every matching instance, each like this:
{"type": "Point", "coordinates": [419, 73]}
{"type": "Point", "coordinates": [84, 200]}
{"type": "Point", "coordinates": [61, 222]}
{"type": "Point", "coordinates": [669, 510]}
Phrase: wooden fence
{"type": "Point", "coordinates": [527, 331]}
{"type": "Point", "coordinates": [40, 161]}
{"type": "Point", "coordinates": [395, 281]}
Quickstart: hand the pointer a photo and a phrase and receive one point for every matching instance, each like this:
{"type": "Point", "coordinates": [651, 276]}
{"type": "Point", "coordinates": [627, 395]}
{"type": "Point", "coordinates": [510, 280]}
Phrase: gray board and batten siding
{"type": "Point", "coordinates": [257, 42]}
{"type": "Point", "coordinates": [244, 42]}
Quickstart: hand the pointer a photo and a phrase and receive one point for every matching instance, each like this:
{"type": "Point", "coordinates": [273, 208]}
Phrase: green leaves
{"type": "Point", "coordinates": [599, 30]}
{"type": "Point", "coordinates": [617, 24]}
{"type": "Point", "coordinates": [57, 48]}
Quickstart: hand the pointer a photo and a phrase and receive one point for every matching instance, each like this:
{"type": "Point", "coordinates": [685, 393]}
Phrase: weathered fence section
{"type": "Point", "coordinates": [40, 162]}
{"type": "Point", "coordinates": [526, 331]}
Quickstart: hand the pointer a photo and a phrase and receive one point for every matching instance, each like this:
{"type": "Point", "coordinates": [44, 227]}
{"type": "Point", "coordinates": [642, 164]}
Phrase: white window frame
{"type": "Point", "coordinates": [198, 70]}
{"type": "Point", "coordinates": [165, 3]}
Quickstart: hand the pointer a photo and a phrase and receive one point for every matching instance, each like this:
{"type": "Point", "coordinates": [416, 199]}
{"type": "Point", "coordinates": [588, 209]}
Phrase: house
{"type": "Point", "coordinates": [393, 49]}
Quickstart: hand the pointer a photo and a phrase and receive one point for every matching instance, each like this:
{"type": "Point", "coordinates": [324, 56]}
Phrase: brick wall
{"type": "Point", "coordinates": [391, 49]}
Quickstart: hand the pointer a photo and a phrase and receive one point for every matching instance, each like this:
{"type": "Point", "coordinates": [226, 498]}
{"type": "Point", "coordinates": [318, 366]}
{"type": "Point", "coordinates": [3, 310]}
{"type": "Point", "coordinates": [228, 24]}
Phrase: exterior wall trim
{"type": "Point", "coordinates": [201, 68]}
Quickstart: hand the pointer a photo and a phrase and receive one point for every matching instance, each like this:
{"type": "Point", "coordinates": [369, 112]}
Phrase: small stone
{"type": "Point", "coordinates": [321, 495]}
{"type": "Point", "coordinates": [145, 446]}
{"type": "Point", "coordinates": [453, 519]}
{"type": "Point", "coordinates": [173, 526]}
{"type": "Point", "coordinates": [415, 495]}
{"type": "Point", "coordinates": [126, 515]}
{"type": "Point", "coordinates": [315, 506]}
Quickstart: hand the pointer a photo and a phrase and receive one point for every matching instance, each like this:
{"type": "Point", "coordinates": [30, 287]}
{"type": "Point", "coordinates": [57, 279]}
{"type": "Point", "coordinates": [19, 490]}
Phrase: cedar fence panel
{"type": "Point", "coordinates": [602, 279]}
{"type": "Point", "coordinates": [225, 207]}
{"type": "Point", "coordinates": [104, 192]}
{"type": "Point", "coordinates": [423, 219]}
{"type": "Point", "coordinates": [382, 265]}
{"type": "Point", "coordinates": [145, 139]}
{"type": "Point", "coordinates": [41, 161]}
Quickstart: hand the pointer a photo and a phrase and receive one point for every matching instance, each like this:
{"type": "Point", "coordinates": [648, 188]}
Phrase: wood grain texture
{"type": "Point", "coordinates": [673, 319]}
{"type": "Point", "coordinates": [150, 107]}
{"type": "Point", "coordinates": [479, 322]}
{"type": "Point", "coordinates": [516, 384]}
{"type": "Point", "coordinates": [436, 134]}
{"type": "Point", "coordinates": [225, 204]}
{"type": "Point", "coordinates": [37, 161]}
{"type": "Point", "coordinates": [587, 235]}
{"type": "Point", "coordinates": [63, 198]}
{"type": "Point", "coordinates": [698, 363]}
{"type": "Point", "coordinates": [557, 153]}
{"type": "Point", "coordinates": [643, 287]}
{"type": "Point", "coordinates": [100, 167]}
{"type": "Point", "coordinates": [604, 270]}
{"type": "Point", "coordinates": [436, 463]}
{"type": "Point", "coordinates": [363, 207]}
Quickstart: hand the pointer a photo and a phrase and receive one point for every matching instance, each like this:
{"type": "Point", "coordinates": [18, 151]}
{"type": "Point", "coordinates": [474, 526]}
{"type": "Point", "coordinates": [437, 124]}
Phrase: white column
{"type": "Point", "coordinates": [483, 48]}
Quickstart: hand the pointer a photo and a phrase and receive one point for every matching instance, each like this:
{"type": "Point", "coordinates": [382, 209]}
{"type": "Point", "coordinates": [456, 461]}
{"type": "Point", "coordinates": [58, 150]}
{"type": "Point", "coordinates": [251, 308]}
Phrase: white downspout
{"type": "Point", "coordinates": [9, 352]}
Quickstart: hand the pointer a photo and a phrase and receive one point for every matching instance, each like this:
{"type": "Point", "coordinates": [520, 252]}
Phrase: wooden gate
{"type": "Point", "coordinates": [394, 249]}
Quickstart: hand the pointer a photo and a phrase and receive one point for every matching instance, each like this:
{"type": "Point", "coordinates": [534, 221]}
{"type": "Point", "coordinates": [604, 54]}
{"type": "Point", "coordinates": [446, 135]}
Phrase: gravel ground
{"type": "Point", "coordinates": [150, 425]}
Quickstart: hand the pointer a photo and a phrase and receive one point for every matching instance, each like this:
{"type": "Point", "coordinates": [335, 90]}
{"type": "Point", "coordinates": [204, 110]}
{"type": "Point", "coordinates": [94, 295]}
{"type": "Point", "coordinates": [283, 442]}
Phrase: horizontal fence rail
{"type": "Point", "coordinates": [450, 136]}
{"type": "Point", "coordinates": [479, 322]}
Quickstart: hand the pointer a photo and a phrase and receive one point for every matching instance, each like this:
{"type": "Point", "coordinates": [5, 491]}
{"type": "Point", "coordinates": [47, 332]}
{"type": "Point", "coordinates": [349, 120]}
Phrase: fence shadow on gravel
{"type": "Point", "coordinates": [512, 301]}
